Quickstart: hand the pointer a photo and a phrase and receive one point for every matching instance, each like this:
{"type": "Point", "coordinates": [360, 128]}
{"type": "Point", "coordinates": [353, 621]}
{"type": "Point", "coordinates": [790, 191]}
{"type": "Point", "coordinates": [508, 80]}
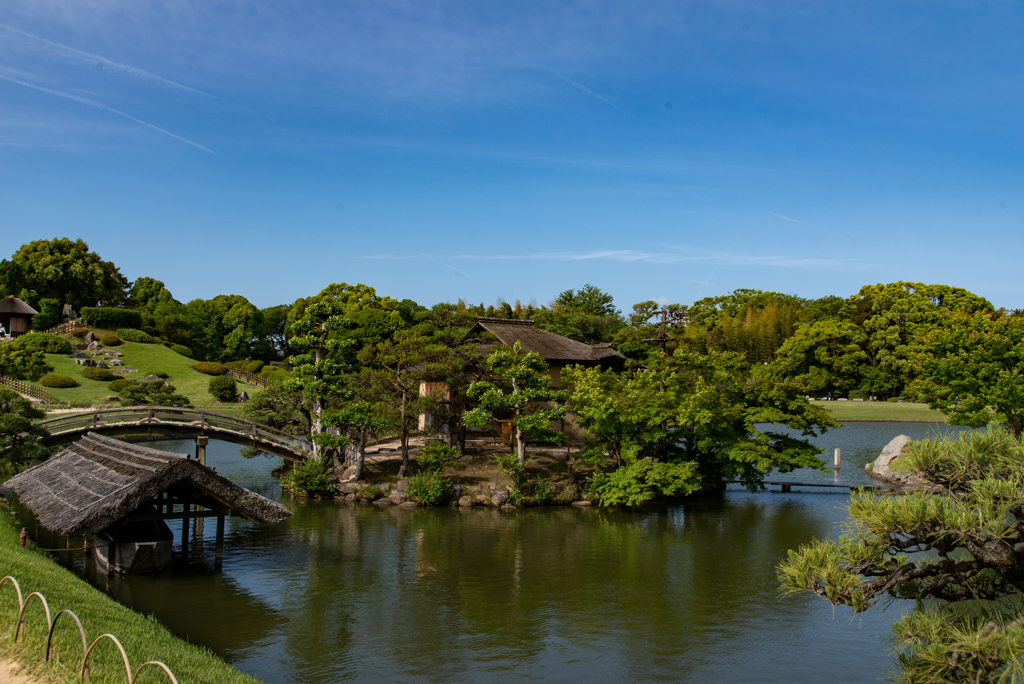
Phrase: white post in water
{"type": "Point", "coordinates": [837, 460]}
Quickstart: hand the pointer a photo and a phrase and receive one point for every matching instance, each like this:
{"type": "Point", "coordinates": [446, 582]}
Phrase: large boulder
{"type": "Point", "coordinates": [89, 337]}
{"type": "Point", "coordinates": [881, 467]}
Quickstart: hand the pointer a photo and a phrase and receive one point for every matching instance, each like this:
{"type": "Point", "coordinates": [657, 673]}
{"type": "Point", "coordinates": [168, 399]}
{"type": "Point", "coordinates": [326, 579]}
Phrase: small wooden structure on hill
{"type": "Point", "coordinates": [120, 495]}
{"type": "Point", "coordinates": [15, 316]}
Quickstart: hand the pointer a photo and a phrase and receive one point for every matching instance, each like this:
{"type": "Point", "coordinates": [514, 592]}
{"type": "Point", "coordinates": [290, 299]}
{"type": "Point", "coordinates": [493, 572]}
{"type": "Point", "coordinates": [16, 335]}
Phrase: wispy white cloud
{"type": "Point", "coordinates": [631, 256]}
{"type": "Point", "coordinates": [457, 270]}
{"type": "Point", "coordinates": [585, 89]}
{"type": "Point", "coordinates": [784, 218]}
{"type": "Point", "coordinates": [97, 105]}
{"type": "Point", "coordinates": [92, 58]}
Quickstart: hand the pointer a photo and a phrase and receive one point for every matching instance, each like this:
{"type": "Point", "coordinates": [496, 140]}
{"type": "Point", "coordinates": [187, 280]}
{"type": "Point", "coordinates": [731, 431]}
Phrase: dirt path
{"type": "Point", "coordinates": [9, 674]}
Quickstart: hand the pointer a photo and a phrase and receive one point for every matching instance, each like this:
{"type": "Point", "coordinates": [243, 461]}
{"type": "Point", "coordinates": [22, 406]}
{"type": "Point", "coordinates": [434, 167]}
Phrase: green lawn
{"type": "Point", "coordinates": [144, 638]}
{"type": "Point", "coordinates": [147, 358]}
{"type": "Point", "coordinates": [880, 410]}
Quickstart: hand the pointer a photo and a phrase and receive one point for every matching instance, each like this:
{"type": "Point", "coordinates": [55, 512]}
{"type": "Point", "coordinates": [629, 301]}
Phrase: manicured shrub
{"type": "Point", "coordinates": [237, 365]}
{"type": "Point", "coordinates": [435, 456]}
{"type": "Point", "coordinates": [133, 335]}
{"type": "Point", "coordinates": [311, 475]}
{"type": "Point", "coordinates": [110, 318]}
{"type": "Point", "coordinates": [53, 380]}
{"type": "Point", "coordinates": [429, 489]}
{"type": "Point", "coordinates": [182, 349]}
{"type": "Point", "coordinates": [110, 340]}
{"type": "Point", "coordinates": [274, 374]}
{"type": "Point", "coordinates": [79, 332]}
{"type": "Point", "coordinates": [209, 368]}
{"type": "Point", "coordinates": [101, 374]}
{"type": "Point", "coordinates": [223, 388]}
{"type": "Point", "coordinates": [254, 367]}
{"type": "Point", "coordinates": [44, 342]}
{"type": "Point", "coordinates": [152, 394]}
{"type": "Point", "coordinates": [119, 385]}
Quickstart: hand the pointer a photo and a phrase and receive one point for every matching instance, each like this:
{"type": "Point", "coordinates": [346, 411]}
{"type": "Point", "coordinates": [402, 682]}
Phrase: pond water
{"type": "Point", "coordinates": [686, 592]}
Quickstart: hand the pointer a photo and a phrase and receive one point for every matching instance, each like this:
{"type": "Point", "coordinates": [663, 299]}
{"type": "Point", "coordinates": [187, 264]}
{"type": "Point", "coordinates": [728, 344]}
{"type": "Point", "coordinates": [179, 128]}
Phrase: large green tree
{"type": "Point", "coordinates": [65, 270]}
{"type": "Point", "coordinates": [327, 331]}
{"type": "Point", "coordinates": [19, 434]}
{"type": "Point", "coordinates": [518, 390]}
{"type": "Point", "coordinates": [226, 328]}
{"type": "Point", "coordinates": [716, 412]}
{"type": "Point", "coordinates": [22, 363]}
{"type": "Point", "coordinates": [958, 552]}
{"type": "Point", "coordinates": [397, 366]}
{"type": "Point", "coordinates": [824, 356]}
{"type": "Point", "coordinates": [971, 368]}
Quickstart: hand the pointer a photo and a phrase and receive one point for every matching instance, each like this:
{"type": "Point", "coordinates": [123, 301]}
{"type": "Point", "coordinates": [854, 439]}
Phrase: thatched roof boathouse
{"type": "Point", "coordinates": [120, 495]}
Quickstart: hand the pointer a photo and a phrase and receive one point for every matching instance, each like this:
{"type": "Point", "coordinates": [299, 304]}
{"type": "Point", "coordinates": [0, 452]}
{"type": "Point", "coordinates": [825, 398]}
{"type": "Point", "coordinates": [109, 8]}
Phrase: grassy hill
{"type": "Point", "coordinates": [147, 358]}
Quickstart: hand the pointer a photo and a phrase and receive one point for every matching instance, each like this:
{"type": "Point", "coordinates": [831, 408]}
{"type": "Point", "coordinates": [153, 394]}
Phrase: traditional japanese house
{"type": "Point", "coordinates": [15, 316]}
{"type": "Point", "coordinates": [120, 496]}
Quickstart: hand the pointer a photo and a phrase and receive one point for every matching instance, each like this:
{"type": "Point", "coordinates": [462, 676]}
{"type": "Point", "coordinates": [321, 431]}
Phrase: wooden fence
{"type": "Point", "coordinates": [26, 388]}
{"type": "Point", "coordinates": [251, 378]}
{"type": "Point", "coordinates": [66, 327]}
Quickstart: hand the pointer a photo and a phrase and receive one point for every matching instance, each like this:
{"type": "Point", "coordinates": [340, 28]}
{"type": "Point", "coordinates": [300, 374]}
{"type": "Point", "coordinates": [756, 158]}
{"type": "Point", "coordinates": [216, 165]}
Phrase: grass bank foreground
{"type": "Point", "coordinates": [144, 638]}
{"type": "Point", "coordinates": [881, 410]}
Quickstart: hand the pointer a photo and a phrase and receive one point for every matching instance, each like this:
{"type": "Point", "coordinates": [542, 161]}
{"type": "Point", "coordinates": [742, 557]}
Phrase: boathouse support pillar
{"type": "Point", "coordinates": [201, 442]}
{"type": "Point", "coordinates": [218, 558]}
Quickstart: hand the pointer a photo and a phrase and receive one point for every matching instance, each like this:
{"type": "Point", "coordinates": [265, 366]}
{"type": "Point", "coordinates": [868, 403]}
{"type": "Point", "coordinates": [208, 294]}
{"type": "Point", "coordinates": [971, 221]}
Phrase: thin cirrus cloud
{"type": "Point", "coordinates": [97, 105]}
{"type": "Point", "coordinates": [631, 256]}
{"type": "Point", "coordinates": [588, 91]}
{"type": "Point", "coordinates": [91, 58]}
{"type": "Point", "coordinates": [784, 218]}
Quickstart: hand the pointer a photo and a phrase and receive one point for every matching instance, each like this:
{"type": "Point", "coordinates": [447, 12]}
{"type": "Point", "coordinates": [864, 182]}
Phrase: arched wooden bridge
{"type": "Point", "coordinates": [176, 423]}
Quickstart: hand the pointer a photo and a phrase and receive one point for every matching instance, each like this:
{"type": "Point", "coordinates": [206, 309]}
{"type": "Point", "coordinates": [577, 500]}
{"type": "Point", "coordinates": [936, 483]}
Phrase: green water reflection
{"type": "Point", "coordinates": [344, 592]}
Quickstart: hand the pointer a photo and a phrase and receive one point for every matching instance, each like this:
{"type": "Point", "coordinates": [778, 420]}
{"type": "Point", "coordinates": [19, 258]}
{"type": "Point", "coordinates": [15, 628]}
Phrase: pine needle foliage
{"type": "Point", "coordinates": [957, 550]}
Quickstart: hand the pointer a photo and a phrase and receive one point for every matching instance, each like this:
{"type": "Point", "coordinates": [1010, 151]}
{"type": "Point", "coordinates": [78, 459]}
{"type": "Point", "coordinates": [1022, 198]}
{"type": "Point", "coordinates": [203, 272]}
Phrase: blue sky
{"type": "Point", "coordinates": [441, 150]}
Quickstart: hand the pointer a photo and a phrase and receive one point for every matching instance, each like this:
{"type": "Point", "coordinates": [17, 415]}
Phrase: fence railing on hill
{"type": "Point", "coordinates": [67, 326]}
{"type": "Point", "coordinates": [26, 388]}
{"type": "Point", "coordinates": [251, 378]}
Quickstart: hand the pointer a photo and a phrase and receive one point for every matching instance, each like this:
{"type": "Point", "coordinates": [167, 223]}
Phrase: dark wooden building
{"type": "Point", "coordinates": [120, 496]}
{"type": "Point", "coordinates": [15, 316]}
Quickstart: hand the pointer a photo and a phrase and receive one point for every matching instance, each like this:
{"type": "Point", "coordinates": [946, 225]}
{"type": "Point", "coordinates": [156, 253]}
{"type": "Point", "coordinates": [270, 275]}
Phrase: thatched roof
{"type": "Point", "coordinates": [548, 345]}
{"type": "Point", "coordinates": [12, 306]}
{"type": "Point", "coordinates": [97, 480]}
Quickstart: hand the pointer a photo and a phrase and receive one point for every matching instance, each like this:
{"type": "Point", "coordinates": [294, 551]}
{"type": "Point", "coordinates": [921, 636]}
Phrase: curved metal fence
{"type": "Point", "coordinates": [87, 648]}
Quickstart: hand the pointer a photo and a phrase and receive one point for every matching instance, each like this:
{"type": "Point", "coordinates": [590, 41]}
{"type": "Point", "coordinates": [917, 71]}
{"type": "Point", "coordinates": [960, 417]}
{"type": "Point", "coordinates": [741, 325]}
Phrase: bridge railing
{"type": "Point", "coordinates": [172, 416]}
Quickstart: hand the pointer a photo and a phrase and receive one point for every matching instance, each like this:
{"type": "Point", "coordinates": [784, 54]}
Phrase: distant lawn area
{"type": "Point", "coordinates": [147, 358]}
{"type": "Point", "coordinates": [880, 410]}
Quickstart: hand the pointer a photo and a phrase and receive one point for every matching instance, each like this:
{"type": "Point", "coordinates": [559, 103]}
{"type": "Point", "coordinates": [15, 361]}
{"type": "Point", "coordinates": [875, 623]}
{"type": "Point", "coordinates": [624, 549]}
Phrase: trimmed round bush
{"type": "Point", "coordinates": [101, 374]}
{"type": "Point", "coordinates": [44, 342]}
{"type": "Point", "coordinates": [133, 335]}
{"type": "Point", "coordinates": [79, 332]}
{"type": "Point", "coordinates": [275, 374]}
{"type": "Point", "coordinates": [182, 349]}
{"type": "Point", "coordinates": [110, 340]}
{"type": "Point", "coordinates": [53, 380]}
{"type": "Point", "coordinates": [223, 388]}
{"type": "Point", "coordinates": [209, 368]}
{"type": "Point", "coordinates": [120, 384]}
{"type": "Point", "coordinates": [254, 367]}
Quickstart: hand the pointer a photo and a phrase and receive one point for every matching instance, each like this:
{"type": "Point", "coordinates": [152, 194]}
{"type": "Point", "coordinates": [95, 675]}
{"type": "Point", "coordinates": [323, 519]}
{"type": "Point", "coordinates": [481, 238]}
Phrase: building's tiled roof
{"type": "Point", "coordinates": [548, 345]}
{"type": "Point", "coordinates": [13, 305]}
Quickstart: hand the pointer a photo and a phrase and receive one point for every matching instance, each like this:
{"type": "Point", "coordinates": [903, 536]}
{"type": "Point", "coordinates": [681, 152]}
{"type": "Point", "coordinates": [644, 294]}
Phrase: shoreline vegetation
{"type": "Point", "coordinates": [144, 638]}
